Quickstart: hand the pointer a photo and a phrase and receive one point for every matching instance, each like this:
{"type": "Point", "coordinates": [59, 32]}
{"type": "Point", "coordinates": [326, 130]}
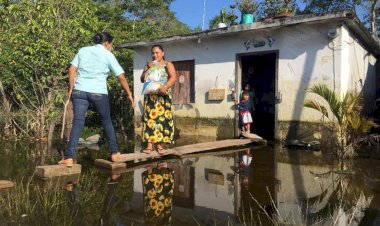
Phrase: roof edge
{"type": "Point", "coordinates": [347, 16]}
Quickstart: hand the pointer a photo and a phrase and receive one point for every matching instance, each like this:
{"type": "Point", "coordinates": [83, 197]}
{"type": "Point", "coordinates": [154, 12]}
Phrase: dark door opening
{"type": "Point", "coordinates": [259, 71]}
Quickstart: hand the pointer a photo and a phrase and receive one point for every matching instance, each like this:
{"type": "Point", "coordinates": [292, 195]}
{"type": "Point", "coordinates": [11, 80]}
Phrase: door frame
{"type": "Point", "coordinates": [238, 79]}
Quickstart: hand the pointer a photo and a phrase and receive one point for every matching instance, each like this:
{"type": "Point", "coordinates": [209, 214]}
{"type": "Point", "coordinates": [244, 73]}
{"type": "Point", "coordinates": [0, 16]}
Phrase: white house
{"type": "Point", "coordinates": [287, 55]}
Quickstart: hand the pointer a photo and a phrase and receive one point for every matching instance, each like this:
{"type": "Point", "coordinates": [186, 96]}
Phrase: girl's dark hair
{"type": "Point", "coordinates": [102, 37]}
{"type": "Point", "coordinates": [157, 46]}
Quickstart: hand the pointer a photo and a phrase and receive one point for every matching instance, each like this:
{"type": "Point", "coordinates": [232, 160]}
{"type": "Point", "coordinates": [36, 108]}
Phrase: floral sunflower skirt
{"type": "Point", "coordinates": [158, 124]}
{"type": "Point", "coordinates": [158, 192]}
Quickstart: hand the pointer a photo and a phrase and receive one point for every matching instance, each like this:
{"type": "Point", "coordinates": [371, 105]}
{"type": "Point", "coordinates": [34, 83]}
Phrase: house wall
{"type": "Point", "coordinates": [306, 57]}
{"type": "Point", "coordinates": [362, 71]}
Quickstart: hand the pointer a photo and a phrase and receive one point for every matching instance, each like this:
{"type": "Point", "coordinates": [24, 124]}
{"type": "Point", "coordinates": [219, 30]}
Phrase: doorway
{"type": "Point", "coordinates": [259, 70]}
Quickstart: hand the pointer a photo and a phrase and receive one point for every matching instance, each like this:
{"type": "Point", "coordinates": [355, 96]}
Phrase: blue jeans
{"type": "Point", "coordinates": [81, 101]}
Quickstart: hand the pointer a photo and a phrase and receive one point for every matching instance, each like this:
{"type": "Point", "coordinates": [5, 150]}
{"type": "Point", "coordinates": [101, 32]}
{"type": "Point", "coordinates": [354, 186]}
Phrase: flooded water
{"type": "Point", "coordinates": [241, 186]}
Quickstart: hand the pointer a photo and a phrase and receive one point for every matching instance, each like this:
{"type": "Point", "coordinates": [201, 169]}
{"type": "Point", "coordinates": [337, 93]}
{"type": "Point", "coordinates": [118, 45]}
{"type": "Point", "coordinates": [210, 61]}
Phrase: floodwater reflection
{"type": "Point", "coordinates": [242, 186]}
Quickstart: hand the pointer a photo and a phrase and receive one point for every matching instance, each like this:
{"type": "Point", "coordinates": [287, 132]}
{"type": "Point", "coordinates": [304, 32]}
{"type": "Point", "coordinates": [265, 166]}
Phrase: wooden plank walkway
{"type": "Point", "coordinates": [143, 164]}
{"type": "Point", "coordinates": [49, 171]}
{"type": "Point", "coordinates": [138, 165]}
{"type": "Point", "coordinates": [177, 151]}
{"type": "Point", "coordinates": [4, 184]}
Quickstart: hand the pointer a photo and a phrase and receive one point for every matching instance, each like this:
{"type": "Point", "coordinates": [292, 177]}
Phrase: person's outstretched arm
{"type": "Point", "coordinates": [125, 85]}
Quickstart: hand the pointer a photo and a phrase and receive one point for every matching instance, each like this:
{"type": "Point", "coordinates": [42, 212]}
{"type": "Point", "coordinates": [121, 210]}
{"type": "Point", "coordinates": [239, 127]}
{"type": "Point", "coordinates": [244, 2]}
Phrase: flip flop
{"type": "Point", "coordinates": [161, 165]}
{"type": "Point", "coordinates": [160, 149]}
{"type": "Point", "coordinates": [147, 150]}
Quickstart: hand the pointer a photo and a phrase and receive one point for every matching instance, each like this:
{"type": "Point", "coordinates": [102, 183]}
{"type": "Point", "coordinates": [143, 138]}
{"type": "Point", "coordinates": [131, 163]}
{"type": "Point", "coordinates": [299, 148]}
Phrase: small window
{"type": "Point", "coordinates": [183, 89]}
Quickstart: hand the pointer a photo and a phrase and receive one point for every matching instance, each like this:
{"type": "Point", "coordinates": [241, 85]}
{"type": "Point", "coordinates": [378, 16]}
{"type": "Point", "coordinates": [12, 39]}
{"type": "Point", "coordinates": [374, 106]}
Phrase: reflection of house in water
{"type": "Point", "coordinates": [203, 189]}
{"type": "Point", "coordinates": [208, 189]}
{"type": "Point", "coordinates": [303, 187]}
{"type": "Point", "coordinates": [314, 191]}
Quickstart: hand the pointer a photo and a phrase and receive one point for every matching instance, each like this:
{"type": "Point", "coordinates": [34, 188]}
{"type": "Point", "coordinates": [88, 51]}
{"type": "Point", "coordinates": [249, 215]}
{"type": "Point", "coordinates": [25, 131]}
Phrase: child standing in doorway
{"type": "Point", "coordinates": [245, 115]}
{"type": "Point", "coordinates": [251, 98]}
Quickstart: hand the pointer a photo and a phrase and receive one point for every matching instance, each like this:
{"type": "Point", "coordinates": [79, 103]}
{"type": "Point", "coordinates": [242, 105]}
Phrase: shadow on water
{"type": "Point", "coordinates": [241, 186]}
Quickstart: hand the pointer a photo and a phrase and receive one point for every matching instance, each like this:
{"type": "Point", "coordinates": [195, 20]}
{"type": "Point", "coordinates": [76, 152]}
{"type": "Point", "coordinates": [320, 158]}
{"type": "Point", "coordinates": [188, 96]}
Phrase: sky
{"type": "Point", "coordinates": [190, 12]}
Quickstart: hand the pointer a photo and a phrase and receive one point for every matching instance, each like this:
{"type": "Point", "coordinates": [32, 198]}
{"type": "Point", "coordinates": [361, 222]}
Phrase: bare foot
{"type": "Point", "coordinates": [115, 157]}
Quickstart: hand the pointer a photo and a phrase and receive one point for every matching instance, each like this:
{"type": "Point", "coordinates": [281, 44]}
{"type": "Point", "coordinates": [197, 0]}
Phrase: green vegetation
{"type": "Point", "coordinates": [71, 200]}
{"type": "Point", "coordinates": [345, 118]}
{"type": "Point", "coordinates": [39, 38]}
{"type": "Point", "coordinates": [247, 6]}
{"type": "Point", "coordinates": [224, 17]}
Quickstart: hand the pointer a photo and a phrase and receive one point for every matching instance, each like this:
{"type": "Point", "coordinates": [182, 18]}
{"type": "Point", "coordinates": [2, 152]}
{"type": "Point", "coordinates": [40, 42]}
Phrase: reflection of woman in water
{"type": "Point", "coordinates": [158, 186]}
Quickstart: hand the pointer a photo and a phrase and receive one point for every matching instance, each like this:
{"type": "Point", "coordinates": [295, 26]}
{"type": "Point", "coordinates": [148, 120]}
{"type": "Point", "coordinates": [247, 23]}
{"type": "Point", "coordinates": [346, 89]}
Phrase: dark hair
{"type": "Point", "coordinates": [102, 37]}
{"type": "Point", "coordinates": [245, 93]}
{"type": "Point", "coordinates": [157, 46]}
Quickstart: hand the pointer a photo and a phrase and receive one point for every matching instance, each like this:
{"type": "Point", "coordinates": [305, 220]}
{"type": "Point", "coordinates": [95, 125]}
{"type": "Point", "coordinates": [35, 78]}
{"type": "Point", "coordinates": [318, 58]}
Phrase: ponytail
{"type": "Point", "coordinates": [102, 37]}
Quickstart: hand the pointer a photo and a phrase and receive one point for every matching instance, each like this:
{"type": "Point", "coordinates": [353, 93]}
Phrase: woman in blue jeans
{"type": "Point", "coordinates": [88, 74]}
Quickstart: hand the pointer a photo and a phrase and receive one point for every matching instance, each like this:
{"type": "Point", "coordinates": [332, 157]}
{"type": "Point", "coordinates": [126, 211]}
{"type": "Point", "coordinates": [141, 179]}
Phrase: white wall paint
{"type": "Point", "coordinates": [344, 49]}
{"type": "Point", "coordinates": [362, 77]}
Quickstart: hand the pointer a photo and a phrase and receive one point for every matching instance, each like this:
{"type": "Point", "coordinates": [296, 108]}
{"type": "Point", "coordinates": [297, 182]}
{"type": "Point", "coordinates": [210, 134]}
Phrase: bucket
{"type": "Point", "coordinates": [247, 18]}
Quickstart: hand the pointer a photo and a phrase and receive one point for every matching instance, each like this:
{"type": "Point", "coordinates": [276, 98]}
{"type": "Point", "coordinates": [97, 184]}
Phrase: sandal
{"type": "Point", "coordinates": [66, 162]}
{"type": "Point", "coordinates": [160, 150]}
{"type": "Point", "coordinates": [161, 165]}
{"type": "Point", "coordinates": [149, 168]}
{"type": "Point", "coordinates": [147, 150]}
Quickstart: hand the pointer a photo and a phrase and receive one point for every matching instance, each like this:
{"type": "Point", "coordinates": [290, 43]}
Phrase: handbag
{"type": "Point", "coordinates": [152, 81]}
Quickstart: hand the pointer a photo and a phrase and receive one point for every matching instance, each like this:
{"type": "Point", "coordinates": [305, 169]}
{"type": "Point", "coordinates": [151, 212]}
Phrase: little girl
{"type": "Point", "coordinates": [245, 115]}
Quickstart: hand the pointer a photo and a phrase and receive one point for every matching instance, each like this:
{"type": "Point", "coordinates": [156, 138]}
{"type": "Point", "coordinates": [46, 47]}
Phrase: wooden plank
{"type": "Point", "coordinates": [109, 165]}
{"type": "Point", "coordinates": [215, 153]}
{"type": "Point", "coordinates": [57, 182]}
{"type": "Point", "coordinates": [145, 164]}
{"type": "Point", "coordinates": [182, 150]}
{"type": "Point", "coordinates": [49, 171]}
{"type": "Point", "coordinates": [136, 156]}
{"type": "Point", "coordinates": [133, 166]}
{"type": "Point", "coordinates": [252, 136]}
{"type": "Point", "coordinates": [4, 184]}
{"type": "Point", "coordinates": [212, 145]}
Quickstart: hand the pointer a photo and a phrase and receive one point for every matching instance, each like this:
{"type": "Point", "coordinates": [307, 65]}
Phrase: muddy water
{"type": "Point", "coordinates": [243, 186]}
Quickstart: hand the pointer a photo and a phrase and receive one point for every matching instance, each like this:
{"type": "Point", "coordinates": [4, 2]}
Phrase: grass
{"type": "Point", "coordinates": [27, 204]}
{"type": "Point", "coordinates": [31, 202]}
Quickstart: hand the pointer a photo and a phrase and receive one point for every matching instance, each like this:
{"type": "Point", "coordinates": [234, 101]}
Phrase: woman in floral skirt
{"type": "Point", "coordinates": [158, 128]}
